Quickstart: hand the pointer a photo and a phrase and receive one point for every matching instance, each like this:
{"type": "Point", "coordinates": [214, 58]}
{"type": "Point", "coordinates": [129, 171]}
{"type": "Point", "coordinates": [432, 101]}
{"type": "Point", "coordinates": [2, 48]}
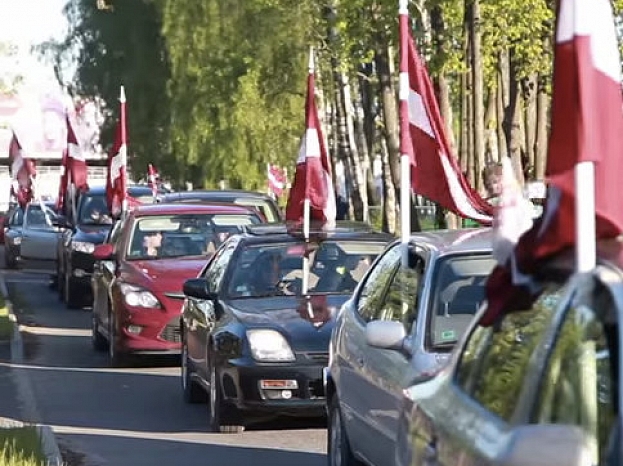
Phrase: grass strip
{"type": "Point", "coordinates": [6, 325]}
{"type": "Point", "coordinates": [20, 446]}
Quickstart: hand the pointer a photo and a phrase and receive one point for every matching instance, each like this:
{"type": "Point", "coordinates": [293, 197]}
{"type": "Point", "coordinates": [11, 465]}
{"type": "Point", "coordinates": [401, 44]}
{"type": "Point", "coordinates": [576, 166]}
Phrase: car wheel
{"type": "Point", "coordinates": [338, 448]}
{"type": "Point", "coordinates": [192, 392]}
{"type": "Point", "coordinates": [218, 415]}
{"type": "Point", "coordinates": [116, 358]}
{"type": "Point", "coordinates": [97, 340]}
{"type": "Point", "coordinates": [70, 294]}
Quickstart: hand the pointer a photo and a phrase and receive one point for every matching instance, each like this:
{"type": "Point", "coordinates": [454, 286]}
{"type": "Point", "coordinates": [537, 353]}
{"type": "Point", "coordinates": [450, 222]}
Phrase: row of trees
{"type": "Point", "coordinates": [216, 87]}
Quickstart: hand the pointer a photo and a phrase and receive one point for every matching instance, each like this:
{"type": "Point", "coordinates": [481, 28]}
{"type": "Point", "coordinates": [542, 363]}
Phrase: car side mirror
{"type": "Point", "coordinates": [103, 252]}
{"type": "Point", "coordinates": [387, 334]}
{"type": "Point", "coordinates": [198, 288]}
{"type": "Point", "coordinates": [547, 445]}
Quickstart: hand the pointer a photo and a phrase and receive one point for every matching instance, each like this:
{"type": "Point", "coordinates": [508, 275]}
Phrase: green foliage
{"type": "Point", "coordinates": [20, 446]}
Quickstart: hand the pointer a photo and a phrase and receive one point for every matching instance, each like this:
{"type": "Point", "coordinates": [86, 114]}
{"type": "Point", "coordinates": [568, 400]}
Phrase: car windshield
{"type": "Point", "coordinates": [94, 211]}
{"type": "Point", "coordinates": [336, 267]}
{"type": "Point", "coordinates": [458, 292]}
{"type": "Point", "coordinates": [166, 236]}
{"type": "Point", "coordinates": [39, 218]}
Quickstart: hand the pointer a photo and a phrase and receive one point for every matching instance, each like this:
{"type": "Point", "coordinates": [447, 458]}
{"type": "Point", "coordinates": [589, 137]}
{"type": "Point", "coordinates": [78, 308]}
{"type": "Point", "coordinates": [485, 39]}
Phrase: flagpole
{"type": "Point", "coordinates": [124, 152]}
{"type": "Point", "coordinates": [585, 224]}
{"type": "Point", "coordinates": [405, 162]}
{"type": "Point", "coordinates": [307, 207]}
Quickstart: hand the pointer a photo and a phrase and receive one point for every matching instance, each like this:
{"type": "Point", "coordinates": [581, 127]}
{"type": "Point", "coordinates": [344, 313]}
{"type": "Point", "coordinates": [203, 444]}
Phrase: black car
{"type": "Point", "coordinates": [250, 338]}
{"type": "Point", "coordinates": [87, 227]}
{"type": "Point", "coordinates": [262, 202]}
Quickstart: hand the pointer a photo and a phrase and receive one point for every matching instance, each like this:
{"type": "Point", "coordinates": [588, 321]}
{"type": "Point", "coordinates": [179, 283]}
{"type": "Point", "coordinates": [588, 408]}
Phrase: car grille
{"type": "Point", "coordinates": [172, 331]}
{"type": "Point", "coordinates": [318, 357]}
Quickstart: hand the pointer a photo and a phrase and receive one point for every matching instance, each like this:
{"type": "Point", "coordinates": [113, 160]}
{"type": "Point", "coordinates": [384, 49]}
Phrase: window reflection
{"type": "Point", "coordinates": [495, 361]}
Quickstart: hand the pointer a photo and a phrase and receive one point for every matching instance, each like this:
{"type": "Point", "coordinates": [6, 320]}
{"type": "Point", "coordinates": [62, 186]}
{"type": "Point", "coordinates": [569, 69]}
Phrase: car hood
{"type": "Point", "coordinates": [95, 234]}
{"type": "Point", "coordinates": [306, 321]}
{"type": "Point", "coordinates": [162, 275]}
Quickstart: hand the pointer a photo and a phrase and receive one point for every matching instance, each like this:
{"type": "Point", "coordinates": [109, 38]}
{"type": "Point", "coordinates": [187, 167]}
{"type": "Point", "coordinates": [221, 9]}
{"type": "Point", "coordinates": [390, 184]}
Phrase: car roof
{"type": "Point", "coordinates": [278, 232]}
{"type": "Point", "coordinates": [177, 209]}
{"type": "Point", "coordinates": [133, 188]}
{"type": "Point", "coordinates": [215, 194]}
{"type": "Point", "coordinates": [455, 241]}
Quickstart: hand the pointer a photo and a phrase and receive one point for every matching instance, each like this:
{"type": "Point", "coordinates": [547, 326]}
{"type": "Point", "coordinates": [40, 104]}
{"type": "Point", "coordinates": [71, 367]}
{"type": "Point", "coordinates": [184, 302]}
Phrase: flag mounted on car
{"type": "Point", "coordinates": [312, 193]}
{"type": "Point", "coordinates": [276, 179]}
{"type": "Point", "coordinates": [23, 172]}
{"type": "Point", "coordinates": [435, 173]}
{"type": "Point", "coordinates": [116, 180]}
{"type": "Point", "coordinates": [586, 126]}
{"type": "Point", "coordinates": [153, 178]}
{"type": "Point", "coordinates": [73, 170]}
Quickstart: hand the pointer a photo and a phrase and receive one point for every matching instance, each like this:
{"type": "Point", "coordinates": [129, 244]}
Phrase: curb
{"type": "Point", "coordinates": [25, 393]}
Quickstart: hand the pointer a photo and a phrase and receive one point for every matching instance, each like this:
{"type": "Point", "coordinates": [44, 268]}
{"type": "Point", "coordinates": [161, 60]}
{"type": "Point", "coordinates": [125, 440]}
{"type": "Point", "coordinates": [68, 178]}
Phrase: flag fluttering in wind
{"type": "Point", "coordinates": [435, 173]}
{"type": "Point", "coordinates": [23, 172]}
{"type": "Point", "coordinates": [276, 179]}
{"type": "Point", "coordinates": [312, 193]}
{"type": "Point", "coordinates": [116, 181]}
{"type": "Point", "coordinates": [587, 126]}
{"type": "Point", "coordinates": [73, 170]}
{"type": "Point", "coordinates": [153, 178]}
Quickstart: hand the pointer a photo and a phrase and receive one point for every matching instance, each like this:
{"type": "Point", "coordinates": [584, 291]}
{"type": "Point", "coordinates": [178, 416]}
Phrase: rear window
{"type": "Point", "coordinates": [93, 210]}
{"type": "Point", "coordinates": [458, 291]}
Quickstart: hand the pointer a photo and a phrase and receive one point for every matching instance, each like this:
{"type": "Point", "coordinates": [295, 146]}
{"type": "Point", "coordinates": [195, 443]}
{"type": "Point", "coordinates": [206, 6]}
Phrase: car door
{"type": "Point", "coordinates": [491, 390]}
{"type": "Point", "coordinates": [387, 372]}
{"type": "Point", "coordinates": [200, 316]}
{"type": "Point", "coordinates": [351, 373]}
{"type": "Point", "coordinates": [104, 272]}
{"type": "Point", "coordinates": [39, 236]}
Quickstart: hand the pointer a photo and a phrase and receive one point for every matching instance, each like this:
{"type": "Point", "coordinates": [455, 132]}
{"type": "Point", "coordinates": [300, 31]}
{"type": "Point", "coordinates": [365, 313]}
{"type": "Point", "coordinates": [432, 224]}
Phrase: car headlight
{"type": "Point", "coordinates": [17, 240]}
{"type": "Point", "coordinates": [269, 345]}
{"type": "Point", "coordinates": [137, 296]}
{"type": "Point", "coordinates": [82, 246]}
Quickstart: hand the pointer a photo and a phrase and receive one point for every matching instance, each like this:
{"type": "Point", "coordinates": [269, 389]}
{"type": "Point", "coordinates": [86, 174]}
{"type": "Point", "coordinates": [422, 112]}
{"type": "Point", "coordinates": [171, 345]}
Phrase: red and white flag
{"type": "Point", "coordinates": [73, 169]}
{"type": "Point", "coordinates": [587, 125]}
{"type": "Point", "coordinates": [276, 180]}
{"type": "Point", "coordinates": [153, 177]}
{"type": "Point", "coordinates": [116, 181]}
{"type": "Point", "coordinates": [23, 172]}
{"type": "Point", "coordinates": [312, 179]}
{"type": "Point", "coordinates": [435, 173]}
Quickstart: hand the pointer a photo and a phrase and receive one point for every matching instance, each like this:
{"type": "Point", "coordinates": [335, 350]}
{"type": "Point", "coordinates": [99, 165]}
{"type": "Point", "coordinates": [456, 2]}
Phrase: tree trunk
{"type": "Point", "coordinates": [390, 221]}
{"type": "Point", "coordinates": [513, 123]}
{"type": "Point", "coordinates": [502, 103]}
{"type": "Point", "coordinates": [491, 139]}
{"type": "Point", "coordinates": [478, 91]}
{"type": "Point", "coordinates": [530, 120]}
{"type": "Point", "coordinates": [542, 125]}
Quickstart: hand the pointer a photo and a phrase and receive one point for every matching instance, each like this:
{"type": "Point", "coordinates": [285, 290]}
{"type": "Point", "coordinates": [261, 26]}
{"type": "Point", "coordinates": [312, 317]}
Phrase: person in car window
{"type": "Point", "coordinates": [152, 243]}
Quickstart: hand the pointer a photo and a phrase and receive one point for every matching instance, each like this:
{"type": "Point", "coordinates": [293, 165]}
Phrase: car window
{"type": "Point", "coordinates": [17, 219]}
{"type": "Point", "coordinates": [39, 218]}
{"type": "Point", "coordinates": [93, 210]}
{"type": "Point", "coordinates": [578, 386]}
{"type": "Point", "coordinates": [265, 208]}
{"type": "Point", "coordinates": [216, 271]}
{"type": "Point", "coordinates": [271, 269]}
{"type": "Point", "coordinates": [494, 362]}
{"type": "Point", "coordinates": [405, 283]}
{"type": "Point", "coordinates": [457, 292]}
{"type": "Point", "coordinates": [373, 290]}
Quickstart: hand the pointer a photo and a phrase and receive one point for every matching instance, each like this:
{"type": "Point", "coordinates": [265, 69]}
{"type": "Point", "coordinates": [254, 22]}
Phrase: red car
{"type": "Point", "coordinates": [141, 267]}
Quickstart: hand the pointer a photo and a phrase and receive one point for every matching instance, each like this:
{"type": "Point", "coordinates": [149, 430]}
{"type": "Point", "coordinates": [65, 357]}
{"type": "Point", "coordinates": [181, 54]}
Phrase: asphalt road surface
{"type": "Point", "coordinates": [132, 416]}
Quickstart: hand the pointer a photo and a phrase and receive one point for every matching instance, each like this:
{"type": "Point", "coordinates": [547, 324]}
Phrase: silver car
{"type": "Point", "coordinates": [39, 236]}
{"type": "Point", "coordinates": [540, 387]}
{"type": "Point", "coordinates": [400, 324]}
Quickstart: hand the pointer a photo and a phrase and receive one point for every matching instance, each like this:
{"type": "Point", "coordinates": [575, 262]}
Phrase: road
{"type": "Point", "coordinates": [132, 416]}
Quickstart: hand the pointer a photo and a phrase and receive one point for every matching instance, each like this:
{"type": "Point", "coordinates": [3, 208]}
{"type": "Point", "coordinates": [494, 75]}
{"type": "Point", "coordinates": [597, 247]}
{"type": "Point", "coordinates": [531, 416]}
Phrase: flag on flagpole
{"type": "Point", "coordinates": [312, 180]}
{"type": "Point", "coordinates": [153, 178]}
{"type": "Point", "coordinates": [116, 190]}
{"type": "Point", "coordinates": [586, 126]}
{"type": "Point", "coordinates": [276, 180]}
{"type": "Point", "coordinates": [73, 171]}
{"type": "Point", "coordinates": [435, 173]}
{"type": "Point", "coordinates": [23, 172]}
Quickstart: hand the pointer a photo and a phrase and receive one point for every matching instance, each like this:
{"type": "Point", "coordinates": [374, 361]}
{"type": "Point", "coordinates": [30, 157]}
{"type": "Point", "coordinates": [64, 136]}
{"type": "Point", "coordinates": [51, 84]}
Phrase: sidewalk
{"type": "Point", "coordinates": [17, 402]}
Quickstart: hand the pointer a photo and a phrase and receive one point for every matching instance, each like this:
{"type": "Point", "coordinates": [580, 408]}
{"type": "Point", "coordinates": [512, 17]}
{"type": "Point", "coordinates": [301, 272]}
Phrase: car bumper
{"type": "Point", "coordinates": [242, 386]}
{"type": "Point", "coordinates": [149, 331]}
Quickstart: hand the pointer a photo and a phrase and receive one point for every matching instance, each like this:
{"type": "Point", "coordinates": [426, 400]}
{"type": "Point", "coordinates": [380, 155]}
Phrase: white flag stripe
{"type": "Point", "coordinates": [586, 18]}
{"type": "Point", "coordinates": [417, 114]}
{"type": "Point", "coordinates": [117, 163]}
{"type": "Point", "coordinates": [310, 146]}
{"type": "Point", "coordinates": [458, 194]}
{"type": "Point", "coordinates": [73, 150]}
